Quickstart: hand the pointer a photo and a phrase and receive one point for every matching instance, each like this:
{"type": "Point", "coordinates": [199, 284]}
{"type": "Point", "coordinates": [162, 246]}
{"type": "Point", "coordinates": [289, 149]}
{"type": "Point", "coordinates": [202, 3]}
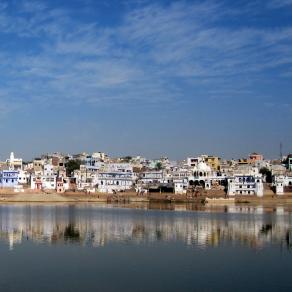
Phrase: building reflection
{"type": "Point", "coordinates": [92, 225]}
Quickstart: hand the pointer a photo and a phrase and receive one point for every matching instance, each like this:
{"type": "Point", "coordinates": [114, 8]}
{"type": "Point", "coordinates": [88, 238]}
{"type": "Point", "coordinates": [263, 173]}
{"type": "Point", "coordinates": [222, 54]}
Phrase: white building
{"type": "Point", "coordinates": [193, 161]}
{"type": "Point", "coordinates": [281, 182]}
{"type": "Point", "coordinates": [151, 177]}
{"type": "Point", "coordinates": [245, 185]}
{"type": "Point", "coordinates": [23, 177]}
{"type": "Point", "coordinates": [99, 155]}
{"type": "Point", "coordinates": [43, 182]}
{"type": "Point", "coordinates": [48, 170]}
{"type": "Point", "coordinates": [14, 163]}
{"type": "Point", "coordinates": [119, 167]}
{"type": "Point", "coordinates": [110, 182]}
{"type": "Point", "coordinates": [204, 176]}
{"type": "Point", "coordinates": [180, 186]}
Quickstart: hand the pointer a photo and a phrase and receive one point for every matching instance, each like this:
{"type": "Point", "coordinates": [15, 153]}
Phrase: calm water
{"type": "Point", "coordinates": [105, 248]}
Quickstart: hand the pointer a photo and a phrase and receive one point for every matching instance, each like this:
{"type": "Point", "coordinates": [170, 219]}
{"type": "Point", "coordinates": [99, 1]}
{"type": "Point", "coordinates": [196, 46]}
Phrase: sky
{"type": "Point", "coordinates": [150, 78]}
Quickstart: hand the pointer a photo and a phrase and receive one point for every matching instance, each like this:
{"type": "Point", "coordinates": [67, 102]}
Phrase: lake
{"type": "Point", "coordinates": [92, 247]}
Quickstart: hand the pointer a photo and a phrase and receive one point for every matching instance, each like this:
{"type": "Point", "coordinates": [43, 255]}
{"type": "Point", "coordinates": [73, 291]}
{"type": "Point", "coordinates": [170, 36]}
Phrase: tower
{"type": "Point", "coordinates": [11, 161]}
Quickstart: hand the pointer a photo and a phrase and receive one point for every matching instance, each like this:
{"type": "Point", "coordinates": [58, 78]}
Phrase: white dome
{"type": "Point", "coordinates": [202, 166]}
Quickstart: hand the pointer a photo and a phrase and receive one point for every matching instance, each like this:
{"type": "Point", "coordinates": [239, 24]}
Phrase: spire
{"type": "Point", "coordinates": [11, 157]}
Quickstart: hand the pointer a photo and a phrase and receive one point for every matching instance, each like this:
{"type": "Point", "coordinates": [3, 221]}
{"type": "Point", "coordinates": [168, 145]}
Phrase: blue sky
{"type": "Point", "coordinates": [173, 78]}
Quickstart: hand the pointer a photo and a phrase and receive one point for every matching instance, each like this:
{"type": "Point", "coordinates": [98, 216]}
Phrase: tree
{"type": "Point", "coordinates": [72, 165]}
{"type": "Point", "coordinates": [267, 173]}
{"type": "Point", "coordinates": [158, 165]}
{"type": "Point", "coordinates": [126, 159]}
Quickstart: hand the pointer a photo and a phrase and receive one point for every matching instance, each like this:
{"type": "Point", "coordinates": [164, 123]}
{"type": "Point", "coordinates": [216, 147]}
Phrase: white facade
{"type": "Point", "coordinates": [47, 182]}
{"type": "Point", "coordinates": [22, 177]}
{"type": "Point", "coordinates": [48, 170]}
{"type": "Point", "coordinates": [245, 185]}
{"type": "Point", "coordinates": [99, 155]}
{"type": "Point", "coordinates": [14, 163]}
{"type": "Point", "coordinates": [204, 175]}
{"type": "Point", "coordinates": [109, 182]}
{"type": "Point", "coordinates": [280, 182]}
{"type": "Point", "coordinates": [193, 161]}
{"type": "Point", "coordinates": [119, 167]}
{"type": "Point", "coordinates": [150, 177]}
{"type": "Point", "coordinates": [180, 186]}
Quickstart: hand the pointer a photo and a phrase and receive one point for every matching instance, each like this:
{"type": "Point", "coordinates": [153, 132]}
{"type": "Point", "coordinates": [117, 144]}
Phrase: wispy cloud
{"type": "Point", "coordinates": [279, 3]}
{"type": "Point", "coordinates": [282, 107]}
{"type": "Point", "coordinates": [155, 53]}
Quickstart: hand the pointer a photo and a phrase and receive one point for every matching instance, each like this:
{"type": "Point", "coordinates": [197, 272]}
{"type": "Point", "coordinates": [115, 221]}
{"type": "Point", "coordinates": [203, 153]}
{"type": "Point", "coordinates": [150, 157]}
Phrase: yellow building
{"type": "Point", "coordinates": [213, 162]}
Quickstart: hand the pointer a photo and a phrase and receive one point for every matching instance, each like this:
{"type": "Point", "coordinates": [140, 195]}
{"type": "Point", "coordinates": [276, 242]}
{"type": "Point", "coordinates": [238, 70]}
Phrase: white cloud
{"type": "Point", "coordinates": [157, 53]}
{"type": "Point", "coordinates": [279, 3]}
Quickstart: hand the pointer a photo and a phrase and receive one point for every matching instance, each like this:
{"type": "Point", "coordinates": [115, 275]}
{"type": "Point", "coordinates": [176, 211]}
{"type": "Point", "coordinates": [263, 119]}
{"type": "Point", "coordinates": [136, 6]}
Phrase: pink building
{"type": "Point", "coordinates": [256, 157]}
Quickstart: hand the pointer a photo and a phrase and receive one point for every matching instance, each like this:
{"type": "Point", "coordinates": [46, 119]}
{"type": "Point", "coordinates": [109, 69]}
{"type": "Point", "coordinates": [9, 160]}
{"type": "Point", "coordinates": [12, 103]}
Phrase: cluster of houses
{"type": "Point", "coordinates": [97, 172]}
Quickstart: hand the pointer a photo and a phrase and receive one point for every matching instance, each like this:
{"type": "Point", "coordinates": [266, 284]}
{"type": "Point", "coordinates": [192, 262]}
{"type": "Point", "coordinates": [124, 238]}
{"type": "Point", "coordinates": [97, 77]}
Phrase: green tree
{"type": "Point", "coordinates": [126, 159]}
{"type": "Point", "coordinates": [72, 165]}
{"type": "Point", "coordinates": [267, 173]}
{"type": "Point", "coordinates": [158, 165]}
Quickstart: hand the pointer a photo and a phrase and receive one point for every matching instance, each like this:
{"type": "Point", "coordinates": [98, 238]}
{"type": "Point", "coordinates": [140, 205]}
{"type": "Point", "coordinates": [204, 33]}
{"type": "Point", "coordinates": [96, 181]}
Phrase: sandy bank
{"type": "Point", "coordinates": [130, 197]}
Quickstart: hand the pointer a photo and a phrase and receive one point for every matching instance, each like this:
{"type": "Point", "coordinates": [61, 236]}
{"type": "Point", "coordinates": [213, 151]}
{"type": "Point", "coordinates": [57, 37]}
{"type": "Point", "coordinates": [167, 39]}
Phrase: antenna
{"type": "Point", "coordinates": [281, 152]}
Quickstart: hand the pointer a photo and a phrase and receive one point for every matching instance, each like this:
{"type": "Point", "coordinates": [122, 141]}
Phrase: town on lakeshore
{"type": "Point", "coordinates": [99, 176]}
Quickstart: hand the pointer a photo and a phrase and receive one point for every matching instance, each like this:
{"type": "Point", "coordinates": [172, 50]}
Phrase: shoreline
{"type": "Point", "coordinates": [128, 197]}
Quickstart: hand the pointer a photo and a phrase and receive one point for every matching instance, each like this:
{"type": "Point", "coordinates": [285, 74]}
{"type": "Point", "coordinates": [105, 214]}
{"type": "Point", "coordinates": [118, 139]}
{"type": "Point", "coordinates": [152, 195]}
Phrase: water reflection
{"type": "Point", "coordinates": [94, 225]}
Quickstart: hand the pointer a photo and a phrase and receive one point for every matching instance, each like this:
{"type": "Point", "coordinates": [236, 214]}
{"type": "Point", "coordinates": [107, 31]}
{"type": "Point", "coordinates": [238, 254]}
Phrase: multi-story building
{"type": "Point", "coordinates": [213, 162]}
{"type": "Point", "coordinates": [22, 177]}
{"type": "Point", "coordinates": [180, 185]}
{"type": "Point", "coordinates": [245, 185]}
{"type": "Point", "coordinates": [282, 184]}
{"type": "Point", "coordinates": [151, 177]}
{"type": "Point", "coordinates": [193, 161]}
{"type": "Point", "coordinates": [14, 163]}
{"type": "Point", "coordinates": [203, 175]}
{"type": "Point", "coordinates": [256, 157]}
{"type": "Point", "coordinates": [43, 182]}
{"type": "Point", "coordinates": [38, 165]}
{"type": "Point", "coordinates": [109, 182]}
{"type": "Point", "coordinates": [49, 170]}
{"type": "Point", "coordinates": [8, 178]}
